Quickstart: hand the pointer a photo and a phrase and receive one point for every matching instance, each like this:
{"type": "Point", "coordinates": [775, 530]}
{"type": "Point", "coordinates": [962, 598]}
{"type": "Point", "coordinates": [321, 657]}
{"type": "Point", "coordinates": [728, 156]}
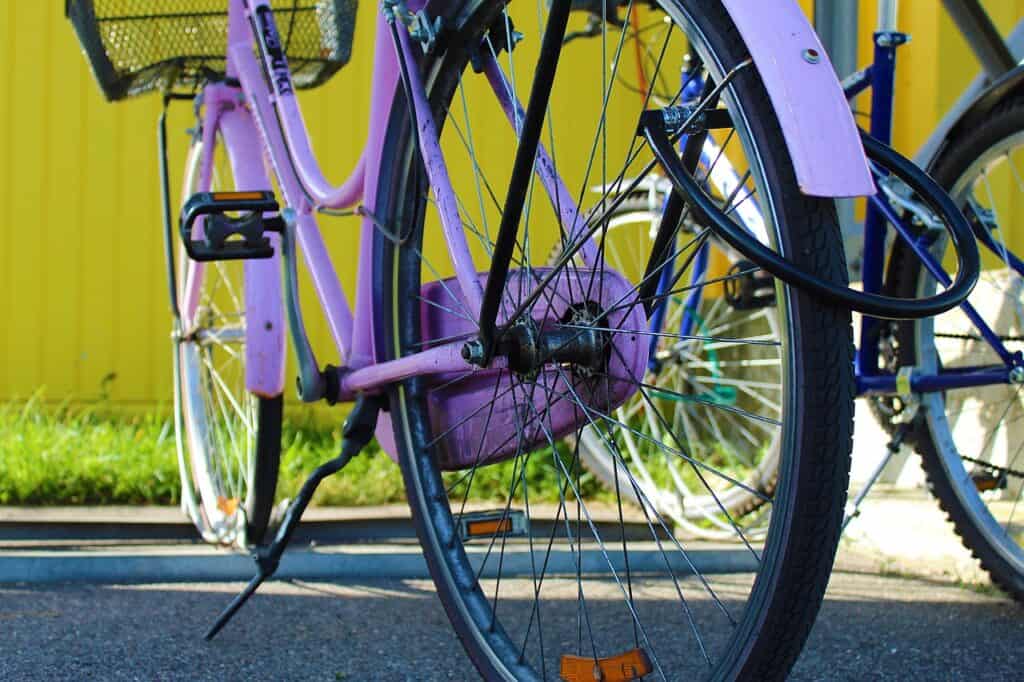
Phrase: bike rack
{"type": "Point", "coordinates": [654, 126]}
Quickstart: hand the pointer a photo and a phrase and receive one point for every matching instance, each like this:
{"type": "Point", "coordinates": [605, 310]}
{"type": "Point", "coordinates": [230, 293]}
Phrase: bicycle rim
{"type": "Point", "coordinates": [973, 453]}
{"type": "Point", "coordinates": [587, 590]}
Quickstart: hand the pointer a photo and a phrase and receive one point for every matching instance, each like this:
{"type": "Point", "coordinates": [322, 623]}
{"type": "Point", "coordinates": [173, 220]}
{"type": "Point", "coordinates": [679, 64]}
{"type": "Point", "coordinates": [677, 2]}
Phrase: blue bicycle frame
{"type": "Point", "coordinates": [871, 379]}
{"type": "Point", "coordinates": [879, 76]}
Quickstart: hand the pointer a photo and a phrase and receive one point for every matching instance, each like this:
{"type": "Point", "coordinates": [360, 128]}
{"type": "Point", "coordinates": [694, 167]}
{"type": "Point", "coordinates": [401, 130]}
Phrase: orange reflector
{"type": "Point", "coordinates": [238, 196]}
{"type": "Point", "coordinates": [475, 529]}
{"type": "Point", "coordinates": [506, 523]}
{"type": "Point", "coordinates": [228, 505]}
{"type": "Point", "coordinates": [631, 665]}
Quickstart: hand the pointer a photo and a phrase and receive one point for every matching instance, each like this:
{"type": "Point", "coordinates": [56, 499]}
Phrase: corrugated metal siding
{"type": "Point", "coordinates": [82, 291]}
{"type": "Point", "coordinates": [82, 287]}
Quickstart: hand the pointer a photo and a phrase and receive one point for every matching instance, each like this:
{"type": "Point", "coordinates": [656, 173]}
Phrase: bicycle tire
{"type": "Point", "coordinates": [218, 499]}
{"type": "Point", "coordinates": [811, 488]}
{"type": "Point", "coordinates": [949, 478]}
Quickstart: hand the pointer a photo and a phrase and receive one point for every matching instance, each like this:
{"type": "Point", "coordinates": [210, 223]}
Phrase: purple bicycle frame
{"type": "Point", "coordinates": [270, 125]}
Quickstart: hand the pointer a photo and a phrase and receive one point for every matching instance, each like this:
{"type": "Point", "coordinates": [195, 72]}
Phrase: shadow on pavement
{"type": "Point", "coordinates": [870, 627]}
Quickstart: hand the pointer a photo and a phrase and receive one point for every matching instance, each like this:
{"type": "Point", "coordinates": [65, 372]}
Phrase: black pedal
{"type": "Point", "coordinates": [748, 287]}
{"type": "Point", "coordinates": [226, 237]}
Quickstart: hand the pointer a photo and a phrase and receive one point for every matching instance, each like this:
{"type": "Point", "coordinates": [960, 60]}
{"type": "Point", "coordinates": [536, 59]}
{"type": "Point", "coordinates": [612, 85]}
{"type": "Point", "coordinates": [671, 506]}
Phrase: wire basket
{"type": "Point", "coordinates": [135, 46]}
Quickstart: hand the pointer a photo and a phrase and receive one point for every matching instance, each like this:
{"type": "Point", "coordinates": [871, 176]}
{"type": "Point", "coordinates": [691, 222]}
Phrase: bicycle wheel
{"type": "Point", "coordinates": [229, 440]}
{"type": "Point", "coordinates": [970, 439]}
{"type": "Point", "coordinates": [701, 374]}
{"type": "Point", "coordinates": [552, 582]}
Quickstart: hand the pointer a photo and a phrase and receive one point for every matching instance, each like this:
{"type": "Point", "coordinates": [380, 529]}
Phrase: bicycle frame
{"type": "Point", "coordinates": [880, 78]}
{"type": "Point", "coordinates": [270, 121]}
{"type": "Point", "coordinates": [274, 118]}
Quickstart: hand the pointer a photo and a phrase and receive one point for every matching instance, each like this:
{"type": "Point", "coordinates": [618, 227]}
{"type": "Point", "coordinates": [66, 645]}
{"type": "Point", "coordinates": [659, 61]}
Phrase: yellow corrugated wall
{"type": "Point", "coordinates": [82, 292]}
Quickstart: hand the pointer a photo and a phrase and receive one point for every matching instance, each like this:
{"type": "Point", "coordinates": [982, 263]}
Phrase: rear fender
{"type": "Point", "coordinates": [816, 120]}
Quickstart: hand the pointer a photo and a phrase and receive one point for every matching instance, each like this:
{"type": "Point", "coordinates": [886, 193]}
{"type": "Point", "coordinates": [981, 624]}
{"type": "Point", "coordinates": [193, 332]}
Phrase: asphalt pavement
{"type": "Point", "coordinates": [906, 602]}
{"type": "Point", "coordinates": [871, 627]}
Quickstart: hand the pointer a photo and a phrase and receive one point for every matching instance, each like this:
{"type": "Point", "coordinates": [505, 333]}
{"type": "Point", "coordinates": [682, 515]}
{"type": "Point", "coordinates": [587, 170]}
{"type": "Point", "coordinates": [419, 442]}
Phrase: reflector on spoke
{"type": "Point", "coordinates": [631, 665]}
{"type": "Point", "coordinates": [228, 505]}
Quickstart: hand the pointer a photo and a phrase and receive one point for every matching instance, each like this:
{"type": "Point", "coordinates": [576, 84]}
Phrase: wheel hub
{"type": "Point", "coordinates": [576, 342]}
{"type": "Point", "coordinates": [563, 364]}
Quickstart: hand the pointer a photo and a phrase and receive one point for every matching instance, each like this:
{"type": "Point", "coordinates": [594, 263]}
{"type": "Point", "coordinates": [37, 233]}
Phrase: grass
{"type": "Point", "coordinates": [79, 455]}
{"type": "Point", "coordinates": [95, 455]}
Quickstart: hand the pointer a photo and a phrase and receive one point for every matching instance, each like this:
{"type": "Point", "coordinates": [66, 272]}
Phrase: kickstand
{"type": "Point", "coordinates": [358, 431]}
{"type": "Point", "coordinates": [891, 448]}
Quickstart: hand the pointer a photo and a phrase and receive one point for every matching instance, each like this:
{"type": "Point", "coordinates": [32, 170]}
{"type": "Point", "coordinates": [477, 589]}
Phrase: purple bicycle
{"type": "Point", "coordinates": [466, 351]}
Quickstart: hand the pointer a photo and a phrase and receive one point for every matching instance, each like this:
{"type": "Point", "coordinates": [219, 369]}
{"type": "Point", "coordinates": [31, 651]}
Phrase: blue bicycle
{"type": "Point", "coordinates": [950, 386]}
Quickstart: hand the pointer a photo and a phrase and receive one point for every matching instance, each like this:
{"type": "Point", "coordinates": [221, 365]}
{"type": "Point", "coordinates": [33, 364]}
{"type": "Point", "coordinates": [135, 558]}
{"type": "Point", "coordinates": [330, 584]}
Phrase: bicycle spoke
{"type": "Point", "coordinates": [591, 413]}
{"type": "Point", "coordinates": [581, 505]}
{"type": "Point", "coordinates": [645, 506]}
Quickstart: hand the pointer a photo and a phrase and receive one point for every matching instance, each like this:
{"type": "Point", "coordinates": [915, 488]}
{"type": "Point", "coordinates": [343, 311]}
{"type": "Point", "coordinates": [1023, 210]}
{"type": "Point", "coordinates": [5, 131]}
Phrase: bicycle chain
{"type": "Point", "coordinates": [993, 467]}
{"type": "Point", "coordinates": [975, 337]}
{"type": "Point", "coordinates": [981, 463]}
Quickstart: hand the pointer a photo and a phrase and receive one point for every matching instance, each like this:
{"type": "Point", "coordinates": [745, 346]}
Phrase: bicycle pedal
{"type": "Point", "coordinates": [230, 237]}
{"type": "Point", "coordinates": [985, 482]}
{"type": "Point", "coordinates": [488, 524]}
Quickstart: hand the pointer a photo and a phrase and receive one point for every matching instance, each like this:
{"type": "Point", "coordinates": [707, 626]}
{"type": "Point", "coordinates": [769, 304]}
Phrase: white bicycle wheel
{"type": "Point", "coordinates": [229, 440]}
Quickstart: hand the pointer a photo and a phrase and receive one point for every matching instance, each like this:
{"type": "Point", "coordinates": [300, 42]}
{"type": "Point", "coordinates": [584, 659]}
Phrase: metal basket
{"type": "Point", "coordinates": [135, 46]}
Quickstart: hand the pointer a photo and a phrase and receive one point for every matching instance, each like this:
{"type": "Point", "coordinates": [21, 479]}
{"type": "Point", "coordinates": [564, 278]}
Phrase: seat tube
{"type": "Point", "coordinates": [265, 329]}
{"type": "Point", "coordinates": [883, 71]}
{"type": "Point", "coordinates": [238, 31]}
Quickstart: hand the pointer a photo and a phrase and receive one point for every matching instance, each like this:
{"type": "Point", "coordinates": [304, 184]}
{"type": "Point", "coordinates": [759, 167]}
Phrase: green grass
{"type": "Point", "coordinates": [94, 455]}
{"type": "Point", "coordinates": [76, 455]}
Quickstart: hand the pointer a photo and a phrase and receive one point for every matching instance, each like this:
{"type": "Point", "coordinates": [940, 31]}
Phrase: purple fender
{"type": "Point", "coordinates": [816, 119]}
{"type": "Point", "coordinates": [264, 338]}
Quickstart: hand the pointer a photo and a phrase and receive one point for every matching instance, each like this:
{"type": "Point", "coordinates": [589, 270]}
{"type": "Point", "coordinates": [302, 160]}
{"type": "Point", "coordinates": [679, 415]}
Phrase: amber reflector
{"type": "Point", "coordinates": [238, 196]}
{"type": "Point", "coordinates": [476, 529]}
{"type": "Point", "coordinates": [228, 505]}
{"type": "Point", "coordinates": [631, 665]}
